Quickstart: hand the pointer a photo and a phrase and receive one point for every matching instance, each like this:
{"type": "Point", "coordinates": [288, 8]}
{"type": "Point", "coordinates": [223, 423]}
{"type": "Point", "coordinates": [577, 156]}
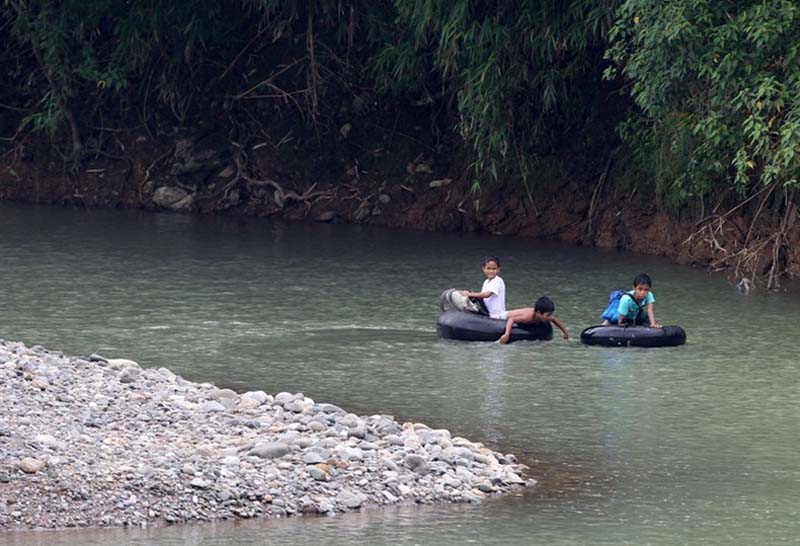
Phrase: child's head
{"type": "Point", "coordinates": [491, 266]}
{"type": "Point", "coordinates": [641, 286]}
{"type": "Point", "coordinates": [543, 308]}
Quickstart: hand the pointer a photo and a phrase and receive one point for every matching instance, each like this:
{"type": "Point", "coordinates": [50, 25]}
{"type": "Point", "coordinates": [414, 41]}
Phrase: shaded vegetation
{"type": "Point", "coordinates": [70, 62]}
{"type": "Point", "coordinates": [523, 75]}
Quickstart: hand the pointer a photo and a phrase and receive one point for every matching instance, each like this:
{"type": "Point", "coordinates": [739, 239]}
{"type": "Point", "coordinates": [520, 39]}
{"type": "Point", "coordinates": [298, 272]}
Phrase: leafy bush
{"type": "Point", "coordinates": [718, 83]}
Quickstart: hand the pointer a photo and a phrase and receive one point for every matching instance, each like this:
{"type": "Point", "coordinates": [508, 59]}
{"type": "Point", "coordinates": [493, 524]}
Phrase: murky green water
{"type": "Point", "coordinates": [690, 445]}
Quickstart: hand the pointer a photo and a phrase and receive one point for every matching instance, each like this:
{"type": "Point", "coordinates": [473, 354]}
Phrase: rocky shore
{"type": "Point", "coordinates": [90, 441]}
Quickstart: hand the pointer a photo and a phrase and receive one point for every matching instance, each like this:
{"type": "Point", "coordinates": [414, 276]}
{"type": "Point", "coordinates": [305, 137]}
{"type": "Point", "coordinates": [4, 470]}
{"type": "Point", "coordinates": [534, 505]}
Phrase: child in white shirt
{"type": "Point", "coordinates": [493, 292]}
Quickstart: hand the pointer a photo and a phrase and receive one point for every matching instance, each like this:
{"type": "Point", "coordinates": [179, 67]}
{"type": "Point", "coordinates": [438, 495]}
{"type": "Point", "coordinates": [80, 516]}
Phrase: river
{"type": "Point", "coordinates": [689, 445]}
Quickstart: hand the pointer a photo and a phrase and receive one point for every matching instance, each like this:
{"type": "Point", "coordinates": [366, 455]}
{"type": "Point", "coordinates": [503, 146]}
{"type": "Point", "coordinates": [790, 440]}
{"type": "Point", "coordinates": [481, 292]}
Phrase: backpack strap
{"type": "Point", "coordinates": [636, 303]}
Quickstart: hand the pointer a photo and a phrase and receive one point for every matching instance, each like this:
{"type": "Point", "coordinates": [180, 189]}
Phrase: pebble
{"type": "Point", "coordinates": [316, 426]}
{"type": "Point", "coordinates": [29, 465]}
{"type": "Point", "coordinates": [313, 457]}
{"type": "Point", "coordinates": [230, 460]}
{"type": "Point", "coordinates": [212, 406]}
{"type": "Point", "coordinates": [318, 473]}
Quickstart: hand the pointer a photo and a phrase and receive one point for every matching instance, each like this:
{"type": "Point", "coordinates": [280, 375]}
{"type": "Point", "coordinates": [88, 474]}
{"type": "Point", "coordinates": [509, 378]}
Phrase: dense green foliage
{"type": "Point", "coordinates": [525, 74]}
{"type": "Point", "coordinates": [75, 49]}
{"type": "Point", "coordinates": [68, 61]}
{"type": "Point", "coordinates": [718, 82]}
{"type": "Point", "coordinates": [714, 82]}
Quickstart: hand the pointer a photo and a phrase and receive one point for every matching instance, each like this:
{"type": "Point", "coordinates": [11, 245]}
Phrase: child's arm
{"type": "Point", "coordinates": [481, 295]}
{"type": "Point", "coordinates": [621, 310]}
{"type": "Point", "coordinates": [507, 334]}
{"type": "Point", "coordinates": [651, 315]}
{"type": "Point", "coordinates": [561, 326]}
{"type": "Point", "coordinates": [513, 316]}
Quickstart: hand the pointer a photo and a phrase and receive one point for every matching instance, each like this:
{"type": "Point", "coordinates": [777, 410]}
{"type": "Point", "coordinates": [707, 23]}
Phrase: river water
{"type": "Point", "coordinates": [689, 445]}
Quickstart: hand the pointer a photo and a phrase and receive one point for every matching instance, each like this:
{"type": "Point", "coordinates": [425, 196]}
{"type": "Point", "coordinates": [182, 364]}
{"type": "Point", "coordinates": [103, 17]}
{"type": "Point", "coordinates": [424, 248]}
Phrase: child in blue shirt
{"type": "Point", "coordinates": [636, 306]}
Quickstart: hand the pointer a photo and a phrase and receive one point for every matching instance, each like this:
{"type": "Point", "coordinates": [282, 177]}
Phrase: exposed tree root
{"type": "Point", "coordinates": [754, 259]}
{"type": "Point", "coordinates": [778, 249]}
{"type": "Point", "coordinates": [281, 196]}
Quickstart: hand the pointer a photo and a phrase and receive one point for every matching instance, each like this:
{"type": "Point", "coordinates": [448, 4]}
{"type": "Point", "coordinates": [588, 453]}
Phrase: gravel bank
{"type": "Point", "coordinates": [89, 441]}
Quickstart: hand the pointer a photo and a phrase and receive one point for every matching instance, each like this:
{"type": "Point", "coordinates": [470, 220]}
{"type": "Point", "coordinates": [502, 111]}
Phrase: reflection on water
{"type": "Point", "coordinates": [693, 444]}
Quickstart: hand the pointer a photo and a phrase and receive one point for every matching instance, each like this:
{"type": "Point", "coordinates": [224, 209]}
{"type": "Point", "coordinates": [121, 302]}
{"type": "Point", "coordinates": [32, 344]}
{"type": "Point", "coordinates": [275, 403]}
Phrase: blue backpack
{"type": "Point", "coordinates": [611, 313]}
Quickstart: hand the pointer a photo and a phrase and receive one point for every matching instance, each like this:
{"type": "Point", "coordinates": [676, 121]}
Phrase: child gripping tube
{"type": "Point", "coordinates": [542, 311]}
{"type": "Point", "coordinates": [634, 307]}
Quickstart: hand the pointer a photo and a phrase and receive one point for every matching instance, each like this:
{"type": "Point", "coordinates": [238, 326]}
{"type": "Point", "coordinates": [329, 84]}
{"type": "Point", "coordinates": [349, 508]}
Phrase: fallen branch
{"type": "Point", "coordinates": [281, 196]}
{"type": "Point", "coordinates": [268, 81]}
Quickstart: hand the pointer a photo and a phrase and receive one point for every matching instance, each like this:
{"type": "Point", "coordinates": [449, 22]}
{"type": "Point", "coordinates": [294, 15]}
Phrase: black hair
{"type": "Point", "coordinates": [642, 278]}
{"type": "Point", "coordinates": [494, 259]}
{"type": "Point", "coordinates": [544, 305]}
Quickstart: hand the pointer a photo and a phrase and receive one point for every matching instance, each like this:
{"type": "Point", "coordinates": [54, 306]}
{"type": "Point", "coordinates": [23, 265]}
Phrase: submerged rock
{"type": "Point", "coordinates": [172, 198]}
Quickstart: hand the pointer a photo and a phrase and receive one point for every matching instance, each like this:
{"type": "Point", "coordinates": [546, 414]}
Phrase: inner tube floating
{"type": "Point", "coordinates": [472, 327]}
{"type": "Point", "coordinates": [633, 336]}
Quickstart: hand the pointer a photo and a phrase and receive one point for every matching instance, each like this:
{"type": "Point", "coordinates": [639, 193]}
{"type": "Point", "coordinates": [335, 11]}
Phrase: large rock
{"type": "Point", "coordinates": [270, 450]}
{"type": "Point", "coordinates": [212, 406]}
{"type": "Point", "coordinates": [129, 375]}
{"type": "Point", "coordinates": [258, 397]}
{"type": "Point", "coordinates": [318, 473]}
{"type": "Point", "coordinates": [29, 465]}
{"type": "Point", "coordinates": [350, 499]}
{"type": "Point", "coordinates": [172, 198]}
{"type": "Point", "coordinates": [223, 394]}
{"type": "Point", "coordinates": [122, 363]}
{"type": "Point", "coordinates": [313, 457]}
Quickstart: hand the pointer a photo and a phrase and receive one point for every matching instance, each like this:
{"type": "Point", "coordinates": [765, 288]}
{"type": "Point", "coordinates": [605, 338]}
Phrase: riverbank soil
{"type": "Point", "coordinates": [367, 171]}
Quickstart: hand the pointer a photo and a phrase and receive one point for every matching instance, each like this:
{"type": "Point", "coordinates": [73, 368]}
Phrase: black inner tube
{"type": "Point", "coordinates": [474, 327]}
{"type": "Point", "coordinates": [633, 336]}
